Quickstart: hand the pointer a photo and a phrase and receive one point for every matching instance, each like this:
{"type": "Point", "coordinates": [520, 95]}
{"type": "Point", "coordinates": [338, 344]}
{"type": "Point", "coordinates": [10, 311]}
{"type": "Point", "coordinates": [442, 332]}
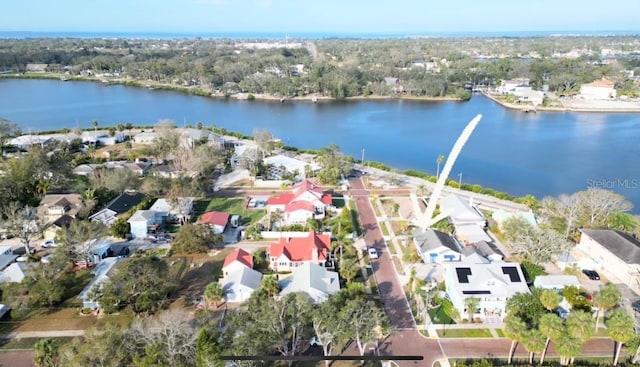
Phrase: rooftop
{"type": "Point", "coordinates": [624, 246]}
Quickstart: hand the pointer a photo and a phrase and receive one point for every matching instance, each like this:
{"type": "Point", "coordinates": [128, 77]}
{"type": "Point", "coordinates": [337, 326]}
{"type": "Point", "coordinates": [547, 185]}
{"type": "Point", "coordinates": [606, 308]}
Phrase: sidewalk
{"type": "Point", "coordinates": [42, 334]}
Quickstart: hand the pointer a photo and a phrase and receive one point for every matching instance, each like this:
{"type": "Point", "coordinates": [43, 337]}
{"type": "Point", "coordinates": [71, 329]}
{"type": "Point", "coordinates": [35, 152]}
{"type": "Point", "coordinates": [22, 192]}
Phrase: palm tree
{"type": "Point", "coordinates": [213, 293]}
{"type": "Point", "coordinates": [270, 285]}
{"type": "Point", "coordinates": [514, 329]}
{"type": "Point", "coordinates": [95, 125]}
{"type": "Point", "coordinates": [471, 303]}
{"type": "Point", "coordinates": [620, 327]}
{"type": "Point", "coordinates": [533, 341]}
{"type": "Point", "coordinates": [568, 347]}
{"type": "Point", "coordinates": [276, 216]}
{"type": "Point", "coordinates": [604, 300]}
{"type": "Point", "coordinates": [580, 326]}
{"type": "Point", "coordinates": [439, 160]}
{"type": "Point", "coordinates": [120, 127]}
{"type": "Point", "coordinates": [551, 326]}
{"type": "Point", "coordinates": [129, 126]}
{"type": "Point", "coordinates": [550, 299]}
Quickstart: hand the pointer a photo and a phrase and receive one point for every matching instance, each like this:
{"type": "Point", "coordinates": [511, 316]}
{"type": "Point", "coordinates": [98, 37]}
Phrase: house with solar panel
{"type": "Point", "coordinates": [491, 283]}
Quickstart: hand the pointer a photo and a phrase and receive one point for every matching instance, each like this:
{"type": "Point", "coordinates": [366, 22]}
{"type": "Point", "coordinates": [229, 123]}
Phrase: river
{"type": "Point", "coordinates": [547, 153]}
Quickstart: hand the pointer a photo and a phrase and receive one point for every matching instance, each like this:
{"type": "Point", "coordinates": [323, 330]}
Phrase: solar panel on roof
{"type": "Point", "coordinates": [463, 274]}
{"type": "Point", "coordinates": [512, 272]}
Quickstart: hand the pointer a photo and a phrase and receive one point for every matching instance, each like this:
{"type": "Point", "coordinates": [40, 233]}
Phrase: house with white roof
{"type": "Point", "coordinates": [599, 89]}
{"type": "Point", "coordinates": [102, 137]}
{"type": "Point", "coordinates": [85, 169]}
{"type": "Point", "coordinates": [143, 222]}
{"type": "Point", "coordinates": [314, 280]}
{"type": "Point", "coordinates": [100, 275]}
{"type": "Point", "coordinates": [24, 142]}
{"type": "Point", "coordinates": [512, 86]}
{"type": "Point", "coordinates": [180, 209]}
{"type": "Point", "coordinates": [283, 165]}
{"type": "Point", "coordinates": [14, 273]}
{"type": "Point", "coordinates": [436, 247]}
{"type": "Point", "coordinates": [468, 221]}
{"type": "Point", "coordinates": [240, 284]}
{"type": "Point", "coordinates": [145, 137]}
{"type": "Point", "coordinates": [492, 284]}
{"type": "Point", "coordinates": [500, 216]}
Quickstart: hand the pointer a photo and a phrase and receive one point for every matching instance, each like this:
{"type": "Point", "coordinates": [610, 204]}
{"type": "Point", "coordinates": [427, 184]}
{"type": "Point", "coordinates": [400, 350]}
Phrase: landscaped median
{"type": "Point", "coordinates": [461, 333]}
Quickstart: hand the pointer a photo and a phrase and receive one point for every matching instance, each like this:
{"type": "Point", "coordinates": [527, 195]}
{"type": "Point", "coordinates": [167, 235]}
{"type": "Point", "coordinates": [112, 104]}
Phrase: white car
{"type": "Point", "coordinates": [373, 253]}
{"type": "Point", "coordinates": [314, 342]}
{"type": "Point", "coordinates": [22, 259]}
{"type": "Point", "coordinates": [48, 243]}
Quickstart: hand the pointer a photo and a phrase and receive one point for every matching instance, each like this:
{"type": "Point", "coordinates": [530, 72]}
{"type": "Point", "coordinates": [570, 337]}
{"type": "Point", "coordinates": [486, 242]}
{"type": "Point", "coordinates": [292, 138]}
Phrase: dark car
{"type": "Point", "coordinates": [591, 274]}
{"type": "Point", "coordinates": [124, 252]}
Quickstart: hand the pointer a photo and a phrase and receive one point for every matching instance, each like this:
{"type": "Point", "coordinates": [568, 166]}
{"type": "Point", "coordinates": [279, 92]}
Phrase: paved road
{"type": "Point", "coordinates": [407, 340]}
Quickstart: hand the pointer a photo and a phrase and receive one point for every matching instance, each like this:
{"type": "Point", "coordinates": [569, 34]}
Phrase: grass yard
{"type": "Point", "coordinates": [398, 226]}
{"type": "Point", "coordinates": [62, 319]}
{"type": "Point", "coordinates": [464, 333]}
{"type": "Point", "coordinates": [387, 206]}
{"type": "Point", "coordinates": [392, 248]}
{"type": "Point", "coordinates": [235, 205]}
{"type": "Point", "coordinates": [398, 264]}
{"type": "Point", "coordinates": [376, 208]}
{"type": "Point", "coordinates": [193, 280]}
{"type": "Point", "coordinates": [27, 343]}
{"type": "Point", "coordinates": [500, 333]}
{"type": "Point", "coordinates": [438, 316]}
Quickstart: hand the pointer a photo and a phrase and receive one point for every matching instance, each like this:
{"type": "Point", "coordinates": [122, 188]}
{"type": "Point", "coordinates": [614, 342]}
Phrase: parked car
{"type": "Point", "coordinates": [252, 203]}
{"type": "Point", "coordinates": [124, 252]}
{"type": "Point", "coordinates": [591, 274]}
{"type": "Point", "coordinates": [373, 253]}
{"type": "Point", "coordinates": [314, 342]}
{"type": "Point", "coordinates": [48, 243]}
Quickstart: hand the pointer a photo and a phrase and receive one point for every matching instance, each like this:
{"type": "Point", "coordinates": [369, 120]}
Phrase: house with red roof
{"type": "Point", "coordinates": [216, 220]}
{"type": "Point", "coordinates": [237, 260]}
{"type": "Point", "coordinates": [304, 201]}
{"type": "Point", "coordinates": [289, 253]}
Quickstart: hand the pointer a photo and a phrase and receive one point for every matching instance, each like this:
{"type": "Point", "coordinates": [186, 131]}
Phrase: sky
{"type": "Point", "coordinates": [314, 16]}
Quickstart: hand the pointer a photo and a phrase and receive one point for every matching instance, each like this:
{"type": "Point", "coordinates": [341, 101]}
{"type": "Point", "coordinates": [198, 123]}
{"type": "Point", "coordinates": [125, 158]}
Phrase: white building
{"type": "Point", "coordinates": [511, 86]}
{"type": "Point", "coordinates": [614, 253]}
{"type": "Point", "coordinates": [599, 89]}
{"type": "Point", "coordinates": [240, 284]}
{"type": "Point", "coordinates": [437, 247]}
{"type": "Point", "coordinates": [102, 137]}
{"type": "Point", "coordinates": [282, 164]}
{"type": "Point", "coordinates": [145, 137]}
{"type": "Point", "coordinates": [556, 282]}
{"type": "Point", "coordinates": [314, 280]}
{"type": "Point", "coordinates": [142, 221]}
{"type": "Point", "coordinates": [25, 142]}
{"type": "Point", "coordinates": [492, 284]}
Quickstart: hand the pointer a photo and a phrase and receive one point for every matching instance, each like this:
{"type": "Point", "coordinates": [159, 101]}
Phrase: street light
{"type": "Point", "coordinates": [362, 159]}
{"type": "Point", "coordinates": [460, 181]}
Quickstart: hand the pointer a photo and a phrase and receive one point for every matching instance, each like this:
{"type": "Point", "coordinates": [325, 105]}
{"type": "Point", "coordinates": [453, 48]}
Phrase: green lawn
{"type": "Point", "coordinates": [438, 316]}
{"type": "Point", "coordinates": [231, 206]}
{"type": "Point", "coordinates": [376, 209]}
{"type": "Point", "coordinates": [465, 333]}
{"type": "Point", "coordinates": [398, 264]}
{"type": "Point", "coordinates": [500, 333]}
{"type": "Point", "coordinates": [392, 248]}
{"type": "Point", "coordinates": [384, 229]}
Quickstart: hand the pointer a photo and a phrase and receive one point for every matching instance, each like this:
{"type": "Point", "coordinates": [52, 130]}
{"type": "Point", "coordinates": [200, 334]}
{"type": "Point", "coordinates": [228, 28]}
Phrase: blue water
{"type": "Point", "coordinates": [542, 154]}
{"type": "Point", "coordinates": [300, 35]}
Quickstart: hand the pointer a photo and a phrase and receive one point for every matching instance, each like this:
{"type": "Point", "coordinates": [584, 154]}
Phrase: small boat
{"type": "Point", "coordinates": [283, 99]}
{"type": "Point", "coordinates": [64, 79]}
{"type": "Point", "coordinates": [314, 99]}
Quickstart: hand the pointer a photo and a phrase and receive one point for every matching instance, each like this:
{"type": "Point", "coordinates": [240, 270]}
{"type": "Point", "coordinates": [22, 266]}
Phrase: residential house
{"type": "Point", "coordinates": [436, 246]}
{"type": "Point", "coordinates": [14, 273]}
{"type": "Point", "coordinates": [556, 282]}
{"type": "Point", "coordinates": [282, 165]}
{"type": "Point", "coordinates": [240, 284]}
{"type": "Point", "coordinates": [6, 250]}
{"type": "Point", "coordinates": [119, 205]}
{"type": "Point", "coordinates": [102, 137]}
{"type": "Point", "coordinates": [500, 216]}
{"type": "Point", "coordinates": [528, 95]}
{"type": "Point", "coordinates": [139, 168]}
{"type": "Point", "coordinates": [237, 260]}
{"type": "Point", "coordinates": [481, 253]}
{"type": "Point", "coordinates": [243, 151]}
{"type": "Point", "coordinates": [305, 201]}
{"type": "Point", "coordinates": [492, 284]}
{"type": "Point", "coordinates": [192, 137]}
{"type": "Point", "coordinates": [613, 252]}
{"type": "Point", "coordinates": [143, 222]}
{"type": "Point", "coordinates": [218, 221]}
{"type": "Point", "coordinates": [24, 142]}
{"type": "Point", "coordinates": [6, 260]}
{"type": "Point", "coordinates": [145, 137]}
{"type": "Point", "coordinates": [599, 89]}
{"type": "Point", "coordinates": [289, 253]}
{"type": "Point", "coordinates": [169, 171]}
{"type": "Point", "coordinates": [468, 221]}
{"type": "Point", "coordinates": [312, 279]}
{"type": "Point", "coordinates": [52, 229]}
{"type": "Point", "coordinates": [394, 84]}
{"type": "Point", "coordinates": [512, 86]}
{"type": "Point", "coordinates": [85, 169]}
{"type": "Point", "coordinates": [53, 206]}
{"type": "Point", "coordinates": [100, 275]}
{"type": "Point", "coordinates": [179, 210]}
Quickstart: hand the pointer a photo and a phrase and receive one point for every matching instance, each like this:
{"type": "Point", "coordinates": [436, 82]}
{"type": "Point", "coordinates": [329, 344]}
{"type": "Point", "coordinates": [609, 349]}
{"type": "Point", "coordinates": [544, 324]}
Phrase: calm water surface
{"type": "Point", "coordinates": [541, 154]}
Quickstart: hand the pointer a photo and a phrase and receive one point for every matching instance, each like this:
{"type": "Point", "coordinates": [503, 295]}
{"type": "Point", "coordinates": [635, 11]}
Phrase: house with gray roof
{"type": "Point", "coordinates": [436, 246]}
{"type": "Point", "coordinates": [614, 253]}
{"type": "Point", "coordinates": [238, 285]}
{"type": "Point", "coordinates": [120, 204]}
{"type": "Point", "coordinates": [469, 222]}
{"type": "Point", "coordinates": [14, 273]}
{"type": "Point", "coordinates": [492, 284]}
{"type": "Point", "coordinates": [482, 252]}
{"type": "Point", "coordinates": [314, 280]}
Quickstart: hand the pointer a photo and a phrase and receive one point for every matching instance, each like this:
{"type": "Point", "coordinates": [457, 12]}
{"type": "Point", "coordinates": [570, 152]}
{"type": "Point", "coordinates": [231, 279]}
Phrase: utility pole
{"type": "Point", "coordinates": [460, 181]}
{"type": "Point", "coordinates": [362, 159]}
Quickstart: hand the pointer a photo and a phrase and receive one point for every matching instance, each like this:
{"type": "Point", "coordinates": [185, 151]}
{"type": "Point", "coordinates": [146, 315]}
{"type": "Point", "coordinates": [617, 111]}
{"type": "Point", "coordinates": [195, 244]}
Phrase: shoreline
{"type": "Point", "coordinates": [238, 97]}
{"type": "Point", "coordinates": [532, 109]}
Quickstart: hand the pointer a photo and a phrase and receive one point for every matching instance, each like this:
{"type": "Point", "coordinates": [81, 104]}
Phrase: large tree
{"type": "Point", "coordinates": [550, 299]}
{"type": "Point", "coordinates": [330, 329]}
{"type": "Point", "coordinates": [213, 293]}
{"type": "Point", "coordinates": [334, 164]}
{"type": "Point", "coordinates": [597, 205]}
{"type": "Point", "coordinates": [24, 223]}
{"type": "Point", "coordinates": [552, 327]}
{"type": "Point", "coordinates": [539, 246]}
{"type": "Point", "coordinates": [514, 329]}
{"type": "Point", "coordinates": [8, 130]}
{"type": "Point", "coordinates": [74, 240]}
{"type": "Point", "coordinates": [195, 238]}
{"type": "Point", "coordinates": [366, 319]}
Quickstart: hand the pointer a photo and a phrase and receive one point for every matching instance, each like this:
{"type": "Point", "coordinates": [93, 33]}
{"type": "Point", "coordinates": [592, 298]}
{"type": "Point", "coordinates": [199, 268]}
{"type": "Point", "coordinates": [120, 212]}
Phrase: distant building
{"type": "Point", "coordinates": [36, 68]}
{"type": "Point", "coordinates": [599, 89]}
{"type": "Point", "coordinates": [513, 86]}
{"type": "Point", "coordinates": [304, 201]}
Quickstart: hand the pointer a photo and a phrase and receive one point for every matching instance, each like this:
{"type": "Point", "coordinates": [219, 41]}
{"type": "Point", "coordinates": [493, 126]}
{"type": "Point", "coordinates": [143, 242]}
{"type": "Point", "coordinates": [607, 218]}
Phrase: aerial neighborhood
{"type": "Point", "coordinates": [187, 244]}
